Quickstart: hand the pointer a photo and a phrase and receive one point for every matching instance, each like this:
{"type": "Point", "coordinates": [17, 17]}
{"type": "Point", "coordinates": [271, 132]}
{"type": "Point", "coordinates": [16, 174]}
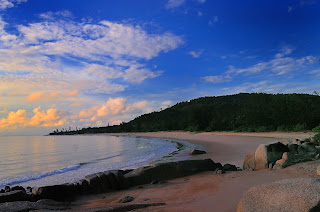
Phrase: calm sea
{"type": "Point", "coordinates": [47, 160]}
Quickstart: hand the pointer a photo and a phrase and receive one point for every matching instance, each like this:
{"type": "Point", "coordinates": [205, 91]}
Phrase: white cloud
{"type": "Point", "coordinates": [286, 50]}
{"type": "Point", "coordinates": [279, 66]}
{"type": "Point", "coordinates": [104, 52]}
{"type": "Point", "coordinates": [316, 73]}
{"type": "Point", "coordinates": [196, 54]}
{"type": "Point", "coordinates": [217, 79]}
{"type": "Point", "coordinates": [201, 1]}
{"type": "Point", "coordinates": [200, 13]}
{"type": "Point", "coordinates": [174, 3]}
{"type": "Point", "coordinates": [4, 4]}
{"type": "Point", "coordinates": [58, 14]}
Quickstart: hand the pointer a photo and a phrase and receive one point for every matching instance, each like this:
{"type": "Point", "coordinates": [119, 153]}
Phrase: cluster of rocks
{"type": "Point", "coordinates": [115, 180]}
{"type": "Point", "coordinates": [282, 154]}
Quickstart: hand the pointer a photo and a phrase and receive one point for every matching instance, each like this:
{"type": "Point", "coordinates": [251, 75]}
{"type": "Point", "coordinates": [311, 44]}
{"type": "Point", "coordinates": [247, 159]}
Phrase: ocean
{"type": "Point", "coordinates": [49, 160]}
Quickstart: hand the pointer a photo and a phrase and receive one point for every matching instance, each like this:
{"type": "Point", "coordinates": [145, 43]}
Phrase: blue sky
{"type": "Point", "coordinates": [89, 63]}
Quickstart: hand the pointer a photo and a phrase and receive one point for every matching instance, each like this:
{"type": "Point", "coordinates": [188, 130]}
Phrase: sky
{"type": "Point", "coordinates": [80, 63]}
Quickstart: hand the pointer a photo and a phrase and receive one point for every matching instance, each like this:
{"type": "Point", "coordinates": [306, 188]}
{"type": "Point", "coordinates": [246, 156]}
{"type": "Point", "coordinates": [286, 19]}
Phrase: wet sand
{"type": "Point", "coordinates": [206, 191]}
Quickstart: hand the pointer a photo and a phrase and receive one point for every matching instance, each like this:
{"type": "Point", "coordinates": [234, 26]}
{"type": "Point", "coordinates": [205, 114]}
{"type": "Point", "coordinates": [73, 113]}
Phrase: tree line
{"type": "Point", "coordinates": [244, 112]}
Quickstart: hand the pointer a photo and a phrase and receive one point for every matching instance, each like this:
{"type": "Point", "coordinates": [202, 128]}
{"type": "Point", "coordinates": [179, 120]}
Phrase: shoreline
{"type": "Point", "coordinates": [206, 191]}
{"type": "Point", "coordinates": [220, 145]}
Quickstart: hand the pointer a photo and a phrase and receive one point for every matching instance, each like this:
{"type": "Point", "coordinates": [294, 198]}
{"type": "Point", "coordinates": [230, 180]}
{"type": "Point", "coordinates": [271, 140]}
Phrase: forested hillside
{"type": "Point", "coordinates": [256, 112]}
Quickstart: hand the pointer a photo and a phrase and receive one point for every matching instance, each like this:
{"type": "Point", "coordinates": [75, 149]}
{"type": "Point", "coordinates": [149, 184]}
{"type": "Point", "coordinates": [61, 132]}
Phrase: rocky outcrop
{"type": "Point", "coordinates": [269, 153]}
{"type": "Point", "coordinates": [170, 170]}
{"type": "Point", "coordinates": [64, 192]}
{"type": "Point", "coordinates": [294, 195]}
{"type": "Point", "coordinates": [12, 196]}
{"type": "Point", "coordinates": [281, 155]}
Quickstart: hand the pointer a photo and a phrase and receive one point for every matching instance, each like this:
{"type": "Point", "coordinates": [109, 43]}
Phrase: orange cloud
{"type": "Point", "coordinates": [73, 93]}
{"type": "Point", "coordinates": [76, 104]}
{"type": "Point", "coordinates": [111, 109]}
{"type": "Point", "coordinates": [50, 118]}
{"type": "Point", "coordinates": [41, 96]}
{"type": "Point", "coordinates": [14, 118]}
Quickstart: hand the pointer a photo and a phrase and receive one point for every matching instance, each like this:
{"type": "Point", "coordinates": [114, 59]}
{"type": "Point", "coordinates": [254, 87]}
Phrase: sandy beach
{"type": "Point", "coordinates": [206, 191]}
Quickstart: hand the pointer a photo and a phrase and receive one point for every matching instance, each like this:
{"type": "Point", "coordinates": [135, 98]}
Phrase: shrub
{"type": "Point", "coordinates": [300, 127]}
{"type": "Point", "coordinates": [317, 133]}
{"type": "Point", "coordinates": [191, 128]}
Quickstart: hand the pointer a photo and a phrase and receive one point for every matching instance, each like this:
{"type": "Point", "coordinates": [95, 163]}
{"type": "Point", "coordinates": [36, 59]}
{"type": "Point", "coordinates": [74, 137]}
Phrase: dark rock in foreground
{"type": "Point", "coordinates": [197, 152]}
{"type": "Point", "coordinates": [126, 199]}
{"type": "Point", "coordinates": [170, 170]}
{"type": "Point", "coordinates": [294, 195]}
{"type": "Point", "coordinates": [24, 206]}
{"type": "Point", "coordinates": [13, 196]}
{"type": "Point", "coordinates": [229, 167]}
{"type": "Point", "coordinates": [64, 192]}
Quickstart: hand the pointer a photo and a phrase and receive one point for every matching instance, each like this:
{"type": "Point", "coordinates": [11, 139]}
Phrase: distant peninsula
{"type": "Point", "coordinates": [243, 112]}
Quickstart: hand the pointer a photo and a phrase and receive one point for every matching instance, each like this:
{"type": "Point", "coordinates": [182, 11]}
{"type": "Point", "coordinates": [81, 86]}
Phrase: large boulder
{"type": "Point", "coordinates": [294, 195]}
{"type": "Point", "coordinates": [249, 162]}
{"type": "Point", "coordinates": [64, 192]}
{"type": "Point", "coordinates": [170, 170]}
{"type": "Point", "coordinates": [269, 153]}
{"type": "Point", "coordinates": [12, 196]}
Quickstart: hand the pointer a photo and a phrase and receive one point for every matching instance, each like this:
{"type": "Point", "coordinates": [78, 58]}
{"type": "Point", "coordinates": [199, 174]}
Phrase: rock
{"type": "Point", "coordinates": [301, 150]}
{"type": "Point", "coordinates": [126, 199]}
{"type": "Point", "coordinates": [105, 186]}
{"type": "Point", "coordinates": [94, 183]}
{"type": "Point", "coordinates": [64, 192]}
{"type": "Point", "coordinates": [318, 149]}
{"type": "Point", "coordinates": [197, 152]}
{"type": "Point", "coordinates": [294, 195]}
{"type": "Point", "coordinates": [83, 186]}
{"type": "Point", "coordinates": [154, 182]}
{"type": "Point", "coordinates": [296, 141]}
{"type": "Point", "coordinates": [318, 170]}
{"type": "Point", "coordinates": [112, 180]}
{"type": "Point", "coordinates": [310, 147]}
{"type": "Point", "coordinates": [18, 188]}
{"type": "Point", "coordinates": [7, 189]}
{"type": "Point", "coordinates": [249, 162]}
{"type": "Point", "coordinates": [219, 171]}
{"type": "Point", "coordinates": [169, 170]}
{"type": "Point", "coordinates": [229, 167]}
{"type": "Point", "coordinates": [42, 205]}
{"type": "Point", "coordinates": [122, 181]}
{"type": "Point", "coordinates": [293, 148]}
{"type": "Point", "coordinates": [289, 159]}
{"type": "Point", "coordinates": [12, 196]}
{"type": "Point", "coordinates": [269, 153]}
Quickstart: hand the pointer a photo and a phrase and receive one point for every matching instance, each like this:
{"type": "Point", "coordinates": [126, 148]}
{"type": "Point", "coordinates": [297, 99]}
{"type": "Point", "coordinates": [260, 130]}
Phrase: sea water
{"type": "Point", "coordinates": [48, 160]}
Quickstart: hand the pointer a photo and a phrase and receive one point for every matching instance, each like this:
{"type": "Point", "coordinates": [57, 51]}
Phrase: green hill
{"type": "Point", "coordinates": [255, 112]}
